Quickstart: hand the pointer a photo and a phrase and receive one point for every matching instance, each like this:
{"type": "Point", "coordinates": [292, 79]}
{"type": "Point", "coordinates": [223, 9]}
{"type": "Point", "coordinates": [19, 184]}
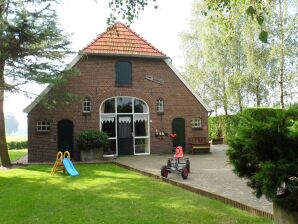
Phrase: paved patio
{"type": "Point", "coordinates": [210, 172]}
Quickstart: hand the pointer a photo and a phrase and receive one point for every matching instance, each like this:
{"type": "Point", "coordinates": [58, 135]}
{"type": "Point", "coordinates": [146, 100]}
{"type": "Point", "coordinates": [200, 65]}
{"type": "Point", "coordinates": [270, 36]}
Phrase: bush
{"type": "Point", "coordinates": [17, 145]}
{"type": "Point", "coordinates": [222, 126]}
{"type": "Point", "coordinates": [264, 149]}
{"type": "Point", "coordinates": [93, 139]}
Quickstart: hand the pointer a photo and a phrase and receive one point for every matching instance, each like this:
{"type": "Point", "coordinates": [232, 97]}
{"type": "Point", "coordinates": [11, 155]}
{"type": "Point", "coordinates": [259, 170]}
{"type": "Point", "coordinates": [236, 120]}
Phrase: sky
{"type": "Point", "coordinates": [85, 19]}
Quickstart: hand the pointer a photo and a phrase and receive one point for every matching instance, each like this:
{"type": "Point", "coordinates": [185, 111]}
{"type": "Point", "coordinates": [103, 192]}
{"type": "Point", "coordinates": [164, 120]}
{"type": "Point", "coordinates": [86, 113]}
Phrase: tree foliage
{"type": "Point", "coordinates": [127, 9]}
{"type": "Point", "coordinates": [230, 68]}
{"type": "Point", "coordinates": [264, 150]}
{"type": "Point", "coordinates": [32, 48]}
{"type": "Point", "coordinates": [11, 123]}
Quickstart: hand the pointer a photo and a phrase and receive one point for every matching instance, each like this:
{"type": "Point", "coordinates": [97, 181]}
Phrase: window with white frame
{"type": "Point", "coordinates": [196, 123]}
{"type": "Point", "coordinates": [159, 105]}
{"type": "Point", "coordinates": [87, 105]}
{"type": "Point", "coordinates": [43, 126]}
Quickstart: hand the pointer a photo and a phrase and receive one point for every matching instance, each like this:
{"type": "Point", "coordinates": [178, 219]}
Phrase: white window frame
{"type": "Point", "coordinates": [196, 122]}
{"type": "Point", "coordinates": [133, 113]}
{"type": "Point", "coordinates": [43, 126]}
{"type": "Point", "coordinates": [87, 105]}
{"type": "Point", "coordinates": [160, 105]}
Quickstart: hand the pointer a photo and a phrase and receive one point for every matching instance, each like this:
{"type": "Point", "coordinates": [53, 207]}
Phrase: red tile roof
{"type": "Point", "coordinates": [119, 39]}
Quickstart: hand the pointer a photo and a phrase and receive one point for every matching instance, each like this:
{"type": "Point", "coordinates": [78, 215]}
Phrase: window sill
{"type": "Point", "coordinates": [160, 113]}
{"type": "Point", "coordinates": [86, 114]}
{"type": "Point", "coordinates": [42, 132]}
{"type": "Point", "coordinates": [124, 85]}
{"type": "Point", "coordinates": [196, 128]}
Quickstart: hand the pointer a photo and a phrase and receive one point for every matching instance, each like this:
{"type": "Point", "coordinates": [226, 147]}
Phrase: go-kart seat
{"type": "Point", "coordinates": [179, 152]}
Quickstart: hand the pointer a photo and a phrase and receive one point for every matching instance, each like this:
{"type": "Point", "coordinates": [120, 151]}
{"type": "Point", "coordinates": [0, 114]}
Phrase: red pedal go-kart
{"type": "Point", "coordinates": [176, 164]}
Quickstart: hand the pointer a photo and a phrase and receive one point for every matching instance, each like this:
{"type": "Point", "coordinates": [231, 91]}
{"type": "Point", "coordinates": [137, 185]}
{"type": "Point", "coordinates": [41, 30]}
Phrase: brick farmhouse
{"type": "Point", "coordinates": [129, 89]}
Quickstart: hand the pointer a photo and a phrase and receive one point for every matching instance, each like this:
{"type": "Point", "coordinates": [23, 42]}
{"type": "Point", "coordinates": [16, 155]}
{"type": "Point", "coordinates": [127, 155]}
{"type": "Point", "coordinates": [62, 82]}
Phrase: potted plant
{"type": "Point", "coordinates": [91, 144]}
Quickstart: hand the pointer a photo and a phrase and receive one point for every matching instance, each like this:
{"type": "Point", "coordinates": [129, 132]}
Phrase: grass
{"type": "Point", "coordinates": [17, 154]}
{"type": "Point", "coordinates": [105, 193]}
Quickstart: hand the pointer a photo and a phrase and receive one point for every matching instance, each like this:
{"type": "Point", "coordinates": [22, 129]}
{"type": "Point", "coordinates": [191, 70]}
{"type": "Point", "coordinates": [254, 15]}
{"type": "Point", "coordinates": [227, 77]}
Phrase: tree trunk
{"type": "Point", "coordinates": [282, 56]}
{"type": "Point", "coordinates": [225, 98]}
{"type": "Point", "coordinates": [3, 146]}
{"type": "Point", "coordinates": [258, 98]}
{"type": "Point", "coordinates": [240, 101]}
{"type": "Point", "coordinates": [240, 104]}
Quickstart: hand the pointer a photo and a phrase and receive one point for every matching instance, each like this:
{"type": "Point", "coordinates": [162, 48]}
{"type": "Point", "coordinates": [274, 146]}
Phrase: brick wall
{"type": "Point", "coordinates": [97, 80]}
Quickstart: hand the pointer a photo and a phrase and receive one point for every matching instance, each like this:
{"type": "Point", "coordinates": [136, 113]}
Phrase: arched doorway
{"type": "Point", "coordinates": [65, 136]}
{"type": "Point", "coordinates": [178, 127]}
{"type": "Point", "coordinates": [126, 119]}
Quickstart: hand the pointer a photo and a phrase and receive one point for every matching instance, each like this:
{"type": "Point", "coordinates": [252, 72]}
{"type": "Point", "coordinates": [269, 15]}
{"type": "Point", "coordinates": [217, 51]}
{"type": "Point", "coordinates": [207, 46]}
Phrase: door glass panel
{"type": "Point", "coordinates": [141, 125]}
{"type": "Point", "coordinates": [124, 105]}
{"type": "Point", "coordinates": [141, 145]}
{"type": "Point", "coordinates": [108, 125]}
{"type": "Point", "coordinates": [111, 149]}
{"type": "Point", "coordinates": [108, 106]}
{"type": "Point", "coordinates": [140, 106]}
{"type": "Point", "coordinates": [124, 127]}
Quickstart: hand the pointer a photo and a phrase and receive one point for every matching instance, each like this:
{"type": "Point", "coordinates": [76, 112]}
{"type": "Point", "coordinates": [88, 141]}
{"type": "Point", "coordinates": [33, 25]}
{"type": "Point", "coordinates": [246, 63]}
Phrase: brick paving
{"type": "Point", "coordinates": [210, 172]}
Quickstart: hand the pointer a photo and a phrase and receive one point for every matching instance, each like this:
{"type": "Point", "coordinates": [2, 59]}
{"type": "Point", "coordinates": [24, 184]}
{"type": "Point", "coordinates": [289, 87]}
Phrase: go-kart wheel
{"type": "Point", "coordinates": [169, 165]}
{"type": "Point", "coordinates": [188, 165]}
{"type": "Point", "coordinates": [164, 171]}
{"type": "Point", "coordinates": [184, 172]}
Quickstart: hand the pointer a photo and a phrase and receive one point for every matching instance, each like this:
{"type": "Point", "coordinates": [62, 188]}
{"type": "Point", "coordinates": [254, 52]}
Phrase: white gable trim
{"type": "Point", "coordinates": [49, 87]}
{"type": "Point", "coordinates": [167, 61]}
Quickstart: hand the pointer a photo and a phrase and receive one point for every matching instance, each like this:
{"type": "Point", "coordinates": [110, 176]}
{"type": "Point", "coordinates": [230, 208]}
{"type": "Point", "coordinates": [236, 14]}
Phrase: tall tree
{"type": "Point", "coordinates": [32, 48]}
{"type": "Point", "coordinates": [284, 49]}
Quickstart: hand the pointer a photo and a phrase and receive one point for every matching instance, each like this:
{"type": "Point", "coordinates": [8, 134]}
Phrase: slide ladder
{"type": "Point", "coordinates": [63, 161]}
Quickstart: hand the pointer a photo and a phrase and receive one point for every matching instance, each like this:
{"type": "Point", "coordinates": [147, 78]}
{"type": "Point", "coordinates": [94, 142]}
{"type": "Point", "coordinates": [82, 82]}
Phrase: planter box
{"type": "Point", "coordinates": [91, 155]}
{"type": "Point", "coordinates": [282, 216]}
{"type": "Point", "coordinates": [217, 141]}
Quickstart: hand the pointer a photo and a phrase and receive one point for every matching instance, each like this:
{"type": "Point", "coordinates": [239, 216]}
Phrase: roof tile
{"type": "Point", "coordinates": [120, 39]}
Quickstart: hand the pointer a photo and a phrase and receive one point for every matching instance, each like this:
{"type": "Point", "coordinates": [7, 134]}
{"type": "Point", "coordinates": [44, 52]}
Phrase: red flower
{"type": "Point", "coordinates": [173, 135]}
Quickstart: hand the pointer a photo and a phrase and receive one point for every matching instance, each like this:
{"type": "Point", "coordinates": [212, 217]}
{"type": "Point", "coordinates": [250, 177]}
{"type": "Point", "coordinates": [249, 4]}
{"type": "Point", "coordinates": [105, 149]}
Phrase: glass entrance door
{"type": "Point", "coordinates": [125, 135]}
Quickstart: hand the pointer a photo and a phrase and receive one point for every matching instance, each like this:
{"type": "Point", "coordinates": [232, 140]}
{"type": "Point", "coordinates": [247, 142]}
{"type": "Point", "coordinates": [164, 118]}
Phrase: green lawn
{"type": "Point", "coordinates": [105, 193]}
{"type": "Point", "coordinates": [17, 154]}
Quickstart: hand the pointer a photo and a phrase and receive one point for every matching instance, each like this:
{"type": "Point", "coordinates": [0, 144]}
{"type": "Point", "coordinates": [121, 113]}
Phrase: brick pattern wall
{"type": "Point", "coordinates": [96, 79]}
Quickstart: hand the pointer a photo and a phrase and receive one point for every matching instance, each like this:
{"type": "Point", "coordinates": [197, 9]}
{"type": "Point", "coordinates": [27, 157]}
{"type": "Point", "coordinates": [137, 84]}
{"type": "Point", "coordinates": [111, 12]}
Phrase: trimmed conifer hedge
{"type": "Point", "coordinates": [264, 150]}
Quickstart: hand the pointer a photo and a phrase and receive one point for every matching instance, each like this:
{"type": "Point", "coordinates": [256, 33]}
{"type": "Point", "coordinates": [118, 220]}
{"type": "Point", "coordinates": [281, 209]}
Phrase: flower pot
{"type": "Point", "coordinates": [283, 216]}
{"type": "Point", "coordinates": [91, 155]}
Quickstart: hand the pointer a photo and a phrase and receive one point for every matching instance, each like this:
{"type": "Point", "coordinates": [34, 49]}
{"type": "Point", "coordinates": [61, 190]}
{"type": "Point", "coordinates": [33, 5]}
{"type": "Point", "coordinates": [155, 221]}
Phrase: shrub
{"type": "Point", "coordinates": [92, 139]}
{"type": "Point", "coordinates": [222, 126]}
{"type": "Point", "coordinates": [17, 145]}
{"type": "Point", "coordinates": [264, 149]}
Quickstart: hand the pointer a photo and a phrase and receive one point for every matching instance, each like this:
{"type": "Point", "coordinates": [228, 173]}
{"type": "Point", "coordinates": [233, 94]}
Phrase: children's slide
{"type": "Point", "coordinates": [71, 170]}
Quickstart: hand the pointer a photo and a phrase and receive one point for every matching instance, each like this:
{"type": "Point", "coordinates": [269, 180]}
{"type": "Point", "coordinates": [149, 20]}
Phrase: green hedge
{"type": "Point", "coordinates": [222, 126]}
{"type": "Point", "coordinates": [17, 145]}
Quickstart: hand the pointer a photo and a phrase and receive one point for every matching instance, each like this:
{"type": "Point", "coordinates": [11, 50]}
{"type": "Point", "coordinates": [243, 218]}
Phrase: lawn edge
{"type": "Point", "coordinates": [228, 201]}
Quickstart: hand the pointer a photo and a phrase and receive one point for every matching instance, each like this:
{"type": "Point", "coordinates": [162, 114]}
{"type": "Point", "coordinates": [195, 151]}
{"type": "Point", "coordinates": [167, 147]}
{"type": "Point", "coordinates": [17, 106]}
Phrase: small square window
{"type": "Point", "coordinates": [196, 123]}
{"type": "Point", "coordinates": [43, 126]}
{"type": "Point", "coordinates": [87, 105]}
